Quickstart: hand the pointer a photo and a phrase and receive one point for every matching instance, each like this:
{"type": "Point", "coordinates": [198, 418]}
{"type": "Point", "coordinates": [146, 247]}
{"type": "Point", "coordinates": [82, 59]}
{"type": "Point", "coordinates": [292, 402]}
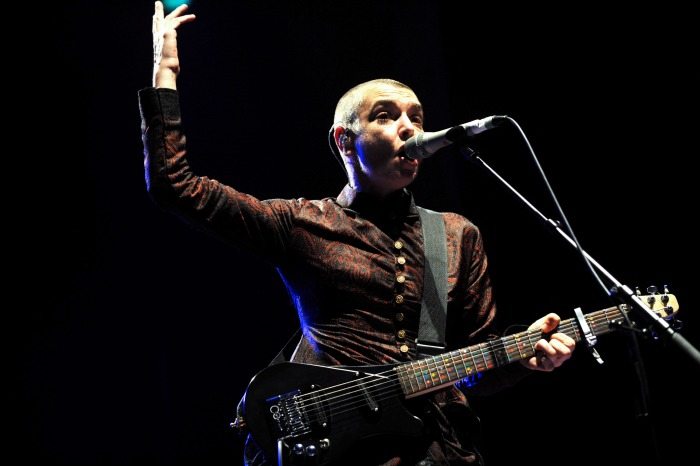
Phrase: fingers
{"type": "Point", "coordinates": [177, 11]}
{"type": "Point", "coordinates": [551, 322]}
{"type": "Point", "coordinates": [157, 18]}
{"type": "Point", "coordinates": [563, 341]}
{"type": "Point", "coordinates": [158, 10]}
{"type": "Point", "coordinates": [176, 18]}
{"type": "Point", "coordinates": [553, 353]}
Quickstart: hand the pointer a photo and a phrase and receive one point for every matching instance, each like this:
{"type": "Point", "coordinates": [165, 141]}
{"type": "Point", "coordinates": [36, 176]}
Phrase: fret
{"type": "Point", "coordinates": [467, 368]}
{"type": "Point", "coordinates": [400, 371]}
{"type": "Point", "coordinates": [483, 355]}
{"type": "Point", "coordinates": [454, 366]}
{"type": "Point", "coordinates": [411, 378]}
{"type": "Point", "coordinates": [498, 348]}
{"type": "Point", "coordinates": [474, 364]}
{"type": "Point", "coordinates": [530, 348]}
{"type": "Point", "coordinates": [577, 333]}
{"type": "Point", "coordinates": [437, 371]}
{"type": "Point", "coordinates": [433, 371]}
{"type": "Point", "coordinates": [517, 344]}
{"type": "Point", "coordinates": [425, 372]}
{"type": "Point", "coordinates": [420, 380]}
{"type": "Point", "coordinates": [446, 370]}
{"type": "Point", "coordinates": [452, 374]}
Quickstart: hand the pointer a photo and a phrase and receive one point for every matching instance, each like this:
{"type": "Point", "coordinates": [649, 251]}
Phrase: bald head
{"type": "Point", "coordinates": [346, 112]}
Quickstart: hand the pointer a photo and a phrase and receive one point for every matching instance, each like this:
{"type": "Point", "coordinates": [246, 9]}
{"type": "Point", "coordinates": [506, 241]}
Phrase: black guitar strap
{"type": "Point", "coordinates": [287, 351]}
{"type": "Point", "coordinates": [433, 313]}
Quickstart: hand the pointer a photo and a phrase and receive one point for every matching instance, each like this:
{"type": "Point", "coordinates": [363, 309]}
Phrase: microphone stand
{"type": "Point", "coordinates": [618, 290]}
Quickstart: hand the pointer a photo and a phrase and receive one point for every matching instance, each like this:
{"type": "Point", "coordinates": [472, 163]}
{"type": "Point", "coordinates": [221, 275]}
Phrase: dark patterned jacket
{"type": "Point", "coordinates": [354, 268]}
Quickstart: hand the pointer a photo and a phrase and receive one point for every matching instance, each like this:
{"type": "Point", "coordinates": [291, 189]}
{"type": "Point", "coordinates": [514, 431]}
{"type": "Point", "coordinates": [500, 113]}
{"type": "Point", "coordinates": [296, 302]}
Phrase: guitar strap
{"type": "Point", "coordinates": [433, 313]}
{"type": "Point", "coordinates": [287, 351]}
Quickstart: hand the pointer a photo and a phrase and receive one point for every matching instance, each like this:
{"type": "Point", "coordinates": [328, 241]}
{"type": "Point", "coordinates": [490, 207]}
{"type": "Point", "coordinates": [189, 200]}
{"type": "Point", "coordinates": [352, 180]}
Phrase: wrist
{"type": "Point", "coordinates": [164, 77]}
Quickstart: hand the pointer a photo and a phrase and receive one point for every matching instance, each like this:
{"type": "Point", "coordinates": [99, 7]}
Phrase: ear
{"type": "Point", "coordinates": [343, 140]}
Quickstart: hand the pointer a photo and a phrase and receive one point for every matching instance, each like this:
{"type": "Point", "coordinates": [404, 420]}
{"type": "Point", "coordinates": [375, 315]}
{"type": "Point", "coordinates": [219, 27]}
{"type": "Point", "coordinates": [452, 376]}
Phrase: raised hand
{"type": "Point", "coordinates": [166, 65]}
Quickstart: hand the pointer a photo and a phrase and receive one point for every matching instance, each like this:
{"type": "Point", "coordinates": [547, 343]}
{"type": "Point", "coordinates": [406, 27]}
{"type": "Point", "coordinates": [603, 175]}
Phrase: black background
{"type": "Point", "coordinates": [142, 333]}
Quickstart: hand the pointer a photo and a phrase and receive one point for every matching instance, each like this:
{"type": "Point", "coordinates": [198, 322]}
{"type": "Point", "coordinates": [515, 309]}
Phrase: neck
{"type": "Point", "coordinates": [380, 192]}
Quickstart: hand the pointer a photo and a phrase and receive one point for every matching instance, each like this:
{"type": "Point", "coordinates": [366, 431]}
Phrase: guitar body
{"type": "Point", "coordinates": [308, 414]}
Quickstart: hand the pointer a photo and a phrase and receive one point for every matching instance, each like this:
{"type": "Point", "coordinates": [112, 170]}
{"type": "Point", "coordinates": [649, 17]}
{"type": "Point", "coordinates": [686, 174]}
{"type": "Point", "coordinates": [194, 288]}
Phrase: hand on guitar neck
{"type": "Point", "coordinates": [551, 353]}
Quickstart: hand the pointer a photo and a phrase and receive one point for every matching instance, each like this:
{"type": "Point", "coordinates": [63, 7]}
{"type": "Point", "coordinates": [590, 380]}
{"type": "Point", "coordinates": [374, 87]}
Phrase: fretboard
{"type": "Point", "coordinates": [434, 372]}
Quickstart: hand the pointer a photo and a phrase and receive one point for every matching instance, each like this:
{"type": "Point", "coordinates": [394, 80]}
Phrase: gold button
{"type": "Point", "coordinates": [399, 316]}
{"type": "Point", "coordinates": [401, 260]}
{"type": "Point", "coordinates": [401, 334]}
{"type": "Point", "coordinates": [398, 244]}
{"type": "Point", "coordinates": [401, 278]}
{"type": "Point", "coordinates": [403, 348]}
{"type": "Point", "coordinates": [398, 299]}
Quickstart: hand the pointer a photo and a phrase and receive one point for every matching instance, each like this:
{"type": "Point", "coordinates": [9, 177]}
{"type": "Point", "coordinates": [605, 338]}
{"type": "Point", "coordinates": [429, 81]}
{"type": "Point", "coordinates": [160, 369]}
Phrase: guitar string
{"type": "Point", "coordinates": [595, 319]}
{"type": "Point", "coordinates": [377, 387]}
{"type": "Point", "coordinates": [372, 387]}
{"type": "Point", "coordinates": [379, 392]}
{"type": "Point", "coordinates": [382, 392]}
{"type": "Point", "coordinates": [565, 326]}
{"type": "Point", "coordinates": [480, 350]}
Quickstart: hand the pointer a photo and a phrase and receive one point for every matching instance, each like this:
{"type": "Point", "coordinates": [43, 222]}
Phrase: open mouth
{"type": "Point", "coordinates": [406, 160]}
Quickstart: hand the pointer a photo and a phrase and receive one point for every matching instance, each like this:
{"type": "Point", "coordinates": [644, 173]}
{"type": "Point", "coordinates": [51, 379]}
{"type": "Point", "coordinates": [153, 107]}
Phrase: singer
{"type": "Point", "coordinates": [354, 263]}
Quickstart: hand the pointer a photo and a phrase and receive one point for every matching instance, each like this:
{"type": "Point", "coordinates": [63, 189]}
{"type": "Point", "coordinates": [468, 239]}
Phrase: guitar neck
{"type": "Point", "coordinates": [432, 373]}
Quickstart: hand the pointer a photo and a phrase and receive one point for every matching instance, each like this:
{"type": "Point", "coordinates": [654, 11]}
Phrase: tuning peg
{"type": "Point", "coordinates": [664, 297]}
{"type": "Point", "coordinates": [652, 289]}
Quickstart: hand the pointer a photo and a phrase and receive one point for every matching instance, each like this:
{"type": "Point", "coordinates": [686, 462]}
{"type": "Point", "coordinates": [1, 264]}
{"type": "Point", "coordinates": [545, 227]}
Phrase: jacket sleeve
{"type": "Point", "coordinates": [248, 223]}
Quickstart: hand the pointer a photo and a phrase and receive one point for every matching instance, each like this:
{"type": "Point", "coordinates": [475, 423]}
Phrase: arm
{"type": "Point", "coordinates": [259, 226]}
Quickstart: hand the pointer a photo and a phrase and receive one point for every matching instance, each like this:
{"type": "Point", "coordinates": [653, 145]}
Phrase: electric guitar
{"type": "Point", "coordinates": [309, 414]}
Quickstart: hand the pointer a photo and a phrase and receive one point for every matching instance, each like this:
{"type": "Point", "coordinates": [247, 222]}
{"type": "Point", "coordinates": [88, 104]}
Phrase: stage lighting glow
{"type": "Point", "coordinates": [170, 5]}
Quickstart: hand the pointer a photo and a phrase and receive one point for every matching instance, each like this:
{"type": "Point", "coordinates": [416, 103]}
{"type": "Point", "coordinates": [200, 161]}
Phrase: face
{"type": "Point", "coordinates": [387, 117]}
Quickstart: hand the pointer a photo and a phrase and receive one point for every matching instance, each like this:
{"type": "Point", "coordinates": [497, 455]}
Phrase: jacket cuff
{"type": "Point", "coordinates": [154, 101]}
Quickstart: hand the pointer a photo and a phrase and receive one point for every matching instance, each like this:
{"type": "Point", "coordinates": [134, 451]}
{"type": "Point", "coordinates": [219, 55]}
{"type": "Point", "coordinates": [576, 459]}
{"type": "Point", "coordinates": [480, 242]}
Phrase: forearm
{"type": "Point", "coordinates": [167, 171]}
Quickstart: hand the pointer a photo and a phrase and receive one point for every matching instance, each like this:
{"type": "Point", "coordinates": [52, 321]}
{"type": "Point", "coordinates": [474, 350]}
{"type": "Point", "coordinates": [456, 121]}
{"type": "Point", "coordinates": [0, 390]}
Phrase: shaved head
{"type": "Point", "coordinates": [346, 111]}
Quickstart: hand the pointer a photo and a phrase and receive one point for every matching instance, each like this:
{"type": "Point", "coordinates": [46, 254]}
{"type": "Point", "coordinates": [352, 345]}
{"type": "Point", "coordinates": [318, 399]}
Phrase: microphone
{"type": "Point", "coordinates": [424, 145]}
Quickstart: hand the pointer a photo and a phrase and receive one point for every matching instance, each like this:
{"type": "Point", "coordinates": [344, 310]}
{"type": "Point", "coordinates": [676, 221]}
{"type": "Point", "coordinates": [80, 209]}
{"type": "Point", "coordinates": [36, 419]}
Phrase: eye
{"type": "Point", "coordinates": [381, 116]}
{"type": "Point", "coordinates": [417, 120]}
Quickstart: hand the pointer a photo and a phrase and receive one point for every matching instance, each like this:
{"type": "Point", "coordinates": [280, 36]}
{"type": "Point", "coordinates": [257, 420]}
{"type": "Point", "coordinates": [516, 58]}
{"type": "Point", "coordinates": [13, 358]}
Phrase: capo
{"type": "Point", "coordinates": [588, 336]}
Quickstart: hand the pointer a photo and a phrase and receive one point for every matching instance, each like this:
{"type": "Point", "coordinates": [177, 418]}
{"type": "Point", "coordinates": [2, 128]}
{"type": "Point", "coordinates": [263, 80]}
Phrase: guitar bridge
{"type": "Point", "coordinates": [286, 415]}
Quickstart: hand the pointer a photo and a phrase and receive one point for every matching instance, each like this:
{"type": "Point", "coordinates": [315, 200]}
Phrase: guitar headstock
{"type": "Point", "coordinates": [663, 304]}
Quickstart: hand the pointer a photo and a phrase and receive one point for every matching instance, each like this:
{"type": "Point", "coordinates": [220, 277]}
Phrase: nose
{"type": "Point", "coordinates": [406, 127]}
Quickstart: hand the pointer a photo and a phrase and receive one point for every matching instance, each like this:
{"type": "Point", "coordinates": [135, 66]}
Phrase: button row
{"type": "Point", "coordinates": [398, 298]}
